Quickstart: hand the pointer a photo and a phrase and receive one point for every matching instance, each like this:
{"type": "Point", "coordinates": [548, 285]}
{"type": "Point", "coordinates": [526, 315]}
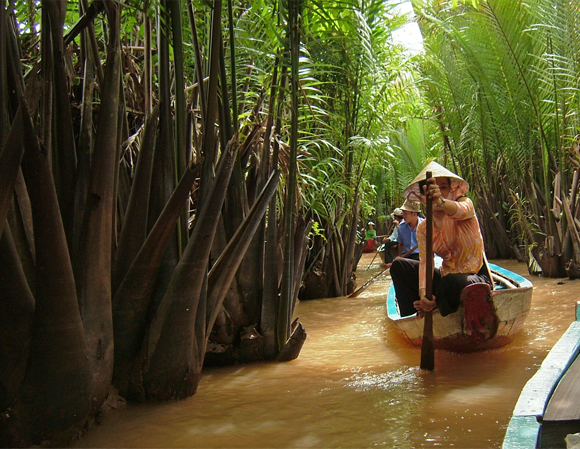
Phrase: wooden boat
{"type": "Point", "coordinates": [485, 319]}
{"type": "Point", "coordinates": [547, 409]}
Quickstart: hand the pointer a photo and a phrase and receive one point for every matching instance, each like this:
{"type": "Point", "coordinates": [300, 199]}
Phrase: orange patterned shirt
{"type": "Point", "coordinates": [459, 242]}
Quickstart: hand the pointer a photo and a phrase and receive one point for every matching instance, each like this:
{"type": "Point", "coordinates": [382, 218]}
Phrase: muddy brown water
{"type": "Point", "coordinates": [356, 384]}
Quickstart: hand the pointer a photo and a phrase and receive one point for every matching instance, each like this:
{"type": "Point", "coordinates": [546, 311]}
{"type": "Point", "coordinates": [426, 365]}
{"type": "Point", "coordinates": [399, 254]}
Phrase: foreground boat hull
{"type": "Point", "coordinates": [507, 308]}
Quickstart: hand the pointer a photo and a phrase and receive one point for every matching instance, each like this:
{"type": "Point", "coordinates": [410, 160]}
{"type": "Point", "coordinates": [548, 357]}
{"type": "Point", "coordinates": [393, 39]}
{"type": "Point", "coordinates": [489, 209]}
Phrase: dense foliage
{"type": "Point", "coordinates": [502, 78]}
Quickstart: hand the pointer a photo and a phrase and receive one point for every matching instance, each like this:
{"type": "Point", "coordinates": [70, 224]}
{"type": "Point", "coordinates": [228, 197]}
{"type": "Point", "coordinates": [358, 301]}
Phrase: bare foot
{"type": "Point", "coordinates": [424, 305]}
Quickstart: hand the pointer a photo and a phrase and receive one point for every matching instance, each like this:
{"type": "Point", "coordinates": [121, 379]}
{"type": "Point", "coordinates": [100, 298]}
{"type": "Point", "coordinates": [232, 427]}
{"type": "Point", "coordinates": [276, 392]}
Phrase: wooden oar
{"type": "Point", "coordinates": [366, 284]}
{"type": "Point", "coordinates": [428, 345]}
{"type": "Point", "coordinates": [409, 252]}
{"type": "Point", "coordinates": [376, 254]}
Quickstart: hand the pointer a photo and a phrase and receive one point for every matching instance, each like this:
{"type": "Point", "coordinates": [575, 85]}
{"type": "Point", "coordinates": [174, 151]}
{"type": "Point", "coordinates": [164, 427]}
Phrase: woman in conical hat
{"type": "Point", "coordinates": [457, 240]}
{"type": "Point", "coordinates": [457, 184]}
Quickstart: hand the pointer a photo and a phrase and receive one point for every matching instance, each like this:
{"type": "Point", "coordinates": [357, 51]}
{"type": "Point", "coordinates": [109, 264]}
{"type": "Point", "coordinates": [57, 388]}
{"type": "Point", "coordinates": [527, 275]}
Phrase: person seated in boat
{"type": "Point", "coordinates": [407, 232]}
{"type": "Point", "coordinates": [370, 236]}
{"type": "Point", "coordinates": [457, 240]}
{"type": "Point", "coordinates": [391, 242]}
{"type": "Point", "coordinates": [408, 246]}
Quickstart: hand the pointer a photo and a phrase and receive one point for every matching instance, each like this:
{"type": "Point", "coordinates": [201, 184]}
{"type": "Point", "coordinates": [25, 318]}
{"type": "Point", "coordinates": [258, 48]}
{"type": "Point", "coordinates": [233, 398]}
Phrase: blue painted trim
{"type": "Point", "coordinates": [511, 275]}
{"type": "Point", "coordinates": [522, 433]}
{"type": "Point", "coordinates": [391, 306]}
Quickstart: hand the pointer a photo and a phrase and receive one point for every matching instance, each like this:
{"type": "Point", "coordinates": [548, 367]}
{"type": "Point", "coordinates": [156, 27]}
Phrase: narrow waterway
{"type": "Point", "coordinates": [355, 385]}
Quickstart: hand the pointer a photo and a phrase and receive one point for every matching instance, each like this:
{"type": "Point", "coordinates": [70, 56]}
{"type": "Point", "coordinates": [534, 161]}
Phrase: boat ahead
{"type": "Point", "coordinates": [485, 319]}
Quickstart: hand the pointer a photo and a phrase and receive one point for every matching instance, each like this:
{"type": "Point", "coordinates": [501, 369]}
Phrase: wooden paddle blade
{"type": "Point", "coordinates": [428, 344]}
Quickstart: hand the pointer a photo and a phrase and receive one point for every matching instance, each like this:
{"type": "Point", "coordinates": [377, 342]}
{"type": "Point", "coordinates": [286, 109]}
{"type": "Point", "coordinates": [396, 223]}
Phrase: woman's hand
{"type": "Point", "coordinates": [431, 189]}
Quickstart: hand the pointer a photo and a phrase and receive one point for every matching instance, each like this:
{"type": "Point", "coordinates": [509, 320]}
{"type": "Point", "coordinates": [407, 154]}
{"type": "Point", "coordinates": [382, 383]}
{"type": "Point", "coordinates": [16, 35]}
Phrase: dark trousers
{"type": "Point", "coordinates": [447, 289]}
{"type": "Point", "coordinates": [388, 251]}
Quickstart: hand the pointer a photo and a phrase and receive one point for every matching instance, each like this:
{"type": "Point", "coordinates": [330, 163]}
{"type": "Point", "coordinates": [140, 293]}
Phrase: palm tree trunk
{"type": "Point", "coordinates": [285, 306]}
{"type": "Point", "coordinates": [55, 391]}
{"type": "Point", "coordinates": [135, 227]}
{"type": "Point", "coordinates": [93, 267]}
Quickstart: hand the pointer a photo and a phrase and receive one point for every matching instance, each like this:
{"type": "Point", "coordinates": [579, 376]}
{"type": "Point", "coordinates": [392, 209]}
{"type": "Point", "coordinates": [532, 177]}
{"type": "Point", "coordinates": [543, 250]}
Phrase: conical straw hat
{"type": "Point", "coordinates": [457, 183]}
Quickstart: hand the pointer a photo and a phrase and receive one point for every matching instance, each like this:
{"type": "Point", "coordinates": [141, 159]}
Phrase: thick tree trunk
{"type": "Point", "coordinates": [54, 394]}
{"type": "Point", "coordinates": [16, 318]}
{"type": "Point", "coordinates": [93, 266]}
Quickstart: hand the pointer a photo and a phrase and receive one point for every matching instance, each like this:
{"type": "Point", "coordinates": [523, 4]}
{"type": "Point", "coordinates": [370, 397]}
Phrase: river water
{"type": "Point", "coordinates": [356, 384]}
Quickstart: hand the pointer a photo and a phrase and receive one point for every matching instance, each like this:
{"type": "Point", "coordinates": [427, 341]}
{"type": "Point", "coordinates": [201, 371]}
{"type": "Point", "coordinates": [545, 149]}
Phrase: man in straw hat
{"type": "Point", "coordinates": [408, 229]}
{"type": "Point", "coordinates": [457, 240]}
{"type": "Point", "coordinates": [391, 243]}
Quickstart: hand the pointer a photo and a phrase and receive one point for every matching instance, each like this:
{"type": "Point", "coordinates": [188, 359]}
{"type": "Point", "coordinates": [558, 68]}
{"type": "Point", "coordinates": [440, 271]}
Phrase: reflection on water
{"type": "Point", "coordinates": [356, 384]}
